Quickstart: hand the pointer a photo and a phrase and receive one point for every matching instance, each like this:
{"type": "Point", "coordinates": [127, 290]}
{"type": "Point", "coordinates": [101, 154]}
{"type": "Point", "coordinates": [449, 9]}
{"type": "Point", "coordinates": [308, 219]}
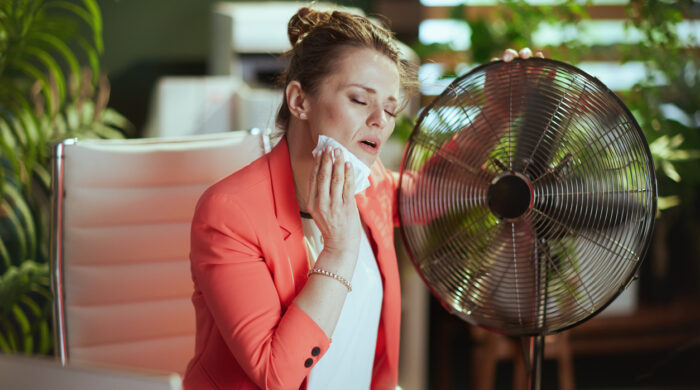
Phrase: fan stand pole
{"type": "Point", "coordinates": [536, 352]}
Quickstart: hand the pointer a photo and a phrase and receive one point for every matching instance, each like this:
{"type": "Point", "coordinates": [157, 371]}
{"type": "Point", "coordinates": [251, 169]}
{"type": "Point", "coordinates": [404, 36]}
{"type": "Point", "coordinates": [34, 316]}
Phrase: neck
{"type": "Point", "coordinates": [300, 142]}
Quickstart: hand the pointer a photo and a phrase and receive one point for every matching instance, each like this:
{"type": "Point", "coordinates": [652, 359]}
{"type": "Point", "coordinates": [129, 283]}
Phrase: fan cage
{"type": "Point", "coordinates": [527, 196]}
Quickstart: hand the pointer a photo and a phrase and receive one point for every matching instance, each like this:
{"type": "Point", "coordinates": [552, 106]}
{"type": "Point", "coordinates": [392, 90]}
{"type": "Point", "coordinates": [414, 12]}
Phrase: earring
{"type": "Point", "coordinates": [302, 116]}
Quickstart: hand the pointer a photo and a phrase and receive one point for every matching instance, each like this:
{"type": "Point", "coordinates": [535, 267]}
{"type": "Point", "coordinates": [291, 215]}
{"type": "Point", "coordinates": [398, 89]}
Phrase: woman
{"type": "Point", "coordinates": [277, 247]}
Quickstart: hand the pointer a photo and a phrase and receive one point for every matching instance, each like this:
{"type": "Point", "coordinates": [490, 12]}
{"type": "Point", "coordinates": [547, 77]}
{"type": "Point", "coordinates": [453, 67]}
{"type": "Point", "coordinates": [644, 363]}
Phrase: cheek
{"type": "Point", "coordinates": [389, 130]}
{"type": "Point", "coordinates": [338, 118]}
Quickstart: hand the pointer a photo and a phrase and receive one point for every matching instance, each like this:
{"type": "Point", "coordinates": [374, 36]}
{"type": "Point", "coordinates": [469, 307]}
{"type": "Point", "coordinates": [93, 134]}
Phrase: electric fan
{"type": "Point", "coordinates": [527, 198]}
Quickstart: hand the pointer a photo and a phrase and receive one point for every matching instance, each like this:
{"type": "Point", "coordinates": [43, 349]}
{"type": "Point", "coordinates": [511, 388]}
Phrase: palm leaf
{"type": "Point", "coordinates": [23, 311]}
{"type": "Point", "coordinates": [6, 259]}
{"type": "Point", "coordinates": [53, 69]}
{"type": "Point", "coordinates": [25, 215]}
{"type": "Point", "coordinates": [42, 50]}
{"type": "Point", "coordinates": [33, 72]}
{"type": "Point", "coordinates": [12, 230]}
{"type": "Point", "coordinates": [24, 328]}
{"type": "Point", "coordinates": [60, 46]}
{"type": "Point", "coordinates": [93, 56]}
{"type": "Point", "coordinates": [91, 19]}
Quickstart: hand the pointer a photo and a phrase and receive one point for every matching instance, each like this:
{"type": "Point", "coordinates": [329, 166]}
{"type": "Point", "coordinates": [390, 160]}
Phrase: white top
{"type": "Point", "coordinates": [349, 360]}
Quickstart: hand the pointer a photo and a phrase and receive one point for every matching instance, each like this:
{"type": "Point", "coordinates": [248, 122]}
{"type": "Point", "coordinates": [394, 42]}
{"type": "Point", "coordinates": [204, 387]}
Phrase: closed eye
{"type": "Point", "coordinates": [391, 114]}
{"type": "Point", "coordinates": [358, 101]}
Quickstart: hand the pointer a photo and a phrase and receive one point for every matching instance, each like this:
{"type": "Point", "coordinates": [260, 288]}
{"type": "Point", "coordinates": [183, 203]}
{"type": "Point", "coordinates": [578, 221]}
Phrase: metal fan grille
{"type": "Point", "coordinates": [527, 196]}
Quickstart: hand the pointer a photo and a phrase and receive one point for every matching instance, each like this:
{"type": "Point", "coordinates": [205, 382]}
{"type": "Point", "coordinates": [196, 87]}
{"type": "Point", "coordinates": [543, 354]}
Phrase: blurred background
{"type": "Point", "coordinates": [165, 68]}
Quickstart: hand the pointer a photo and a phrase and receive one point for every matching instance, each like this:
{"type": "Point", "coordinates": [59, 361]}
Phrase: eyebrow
{"type": "Point", "coordinates": [371, 90]}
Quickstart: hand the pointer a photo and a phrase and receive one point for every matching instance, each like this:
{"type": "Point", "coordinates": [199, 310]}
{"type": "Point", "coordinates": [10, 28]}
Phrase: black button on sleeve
{"type": "Point", "coordinates": [315, 351]}
{"type": "Point", "coordinates": [308, 362]}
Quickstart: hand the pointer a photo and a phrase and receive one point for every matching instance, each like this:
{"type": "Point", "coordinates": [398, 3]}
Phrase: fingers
{"type": "Point", "coordinates": [313, 183]}
{"type": "Point", "coordinates": [349, 186]}
{"type": "Point", "coordinates": [524, 53]}
{"type": "Point", "coordinates": [509, 54]}
{"type": "Point", "coordinates": [332, 181]}
{"type": "Point", "coordinates": [338, 178]}
{"type": "Point", "coordinates": [323, 180]}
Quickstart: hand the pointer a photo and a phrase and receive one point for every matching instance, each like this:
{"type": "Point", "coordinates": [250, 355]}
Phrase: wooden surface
{"type": "Point", "coordinates": [654, 327]}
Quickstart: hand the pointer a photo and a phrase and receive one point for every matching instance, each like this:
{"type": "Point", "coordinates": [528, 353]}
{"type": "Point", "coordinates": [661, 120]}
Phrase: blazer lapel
{"type": "Point", "coordinates": [287, 213]}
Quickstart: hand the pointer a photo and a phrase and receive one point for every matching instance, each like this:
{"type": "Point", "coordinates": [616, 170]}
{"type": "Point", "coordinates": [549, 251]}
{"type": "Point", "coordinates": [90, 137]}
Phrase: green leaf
{"type": "Point", "coordinates": [105, 131]}
{"type": "Point", "coordinates": [666, 202]}
{"type": "Point", "coordinates": [4, 345]}
{"type": "Point", "coordinates": [72, 119]}
{"type": "Point", "coordinates": [43, 175]}
{"type": "Point", "coordinates": [45, 338]}
{"type": "Point", "coordinates": [94, 10]}
{"type": "Point", "coordinates": [24, 327]}
{"type": "Point", "coordinates": [76, 10]}
{"type": "Point", "coordinates": [53, 68]}
{"type": "Point", "coordinates": [36, 74]}
{"type": "Point", "coordinates": [32, 306]}
{"type": "Point", "coordinates": [15, 231]}
{"type": "Point", "coordinates": [93, 57]}
{"type": "Point", "coordinates": [7, 261]}
{"type": "Point", "coordinates": [670, 170]}
{"type": "Point", "coordinates": [86, 113]}
{"type": "Point", "coordinates": [8, 143]}
{"type": "Point", "coordinates": [26, 215]}
{"type": "Point", "coordinates": [112, 118]}
{"type": "Point", "coordinates": [65, 51]}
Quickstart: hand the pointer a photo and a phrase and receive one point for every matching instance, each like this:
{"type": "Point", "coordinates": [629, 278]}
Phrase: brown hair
{"type": "Point", "coordinates": [319, 37]}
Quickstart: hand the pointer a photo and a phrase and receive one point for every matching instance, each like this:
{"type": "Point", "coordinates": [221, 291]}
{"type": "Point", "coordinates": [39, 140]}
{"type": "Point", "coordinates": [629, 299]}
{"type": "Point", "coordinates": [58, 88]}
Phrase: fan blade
{"type": "Point", "coordinates": [588, 204]}
{"type": "Point", "coordinates": [510, 288]}
{"type": "Point", "coordinates": [539, 127]}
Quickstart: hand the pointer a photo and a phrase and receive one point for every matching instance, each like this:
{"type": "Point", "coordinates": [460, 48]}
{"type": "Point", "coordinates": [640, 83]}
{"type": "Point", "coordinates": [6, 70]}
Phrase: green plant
{"type": "Point", "coordinates": [46, 94]}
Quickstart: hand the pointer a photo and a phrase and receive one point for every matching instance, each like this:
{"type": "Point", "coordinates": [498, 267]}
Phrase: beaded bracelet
{"type": "Point", "coordinates": [329, 274]}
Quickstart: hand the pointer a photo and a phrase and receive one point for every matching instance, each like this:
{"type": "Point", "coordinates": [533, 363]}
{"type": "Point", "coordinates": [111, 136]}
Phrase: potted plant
{"type": "Point", "coordinates": [50, 89]}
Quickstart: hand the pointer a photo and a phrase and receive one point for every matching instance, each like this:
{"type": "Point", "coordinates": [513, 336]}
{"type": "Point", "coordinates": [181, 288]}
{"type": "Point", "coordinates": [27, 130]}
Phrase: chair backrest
{"type": "Point", "coordinates": [120, 243]}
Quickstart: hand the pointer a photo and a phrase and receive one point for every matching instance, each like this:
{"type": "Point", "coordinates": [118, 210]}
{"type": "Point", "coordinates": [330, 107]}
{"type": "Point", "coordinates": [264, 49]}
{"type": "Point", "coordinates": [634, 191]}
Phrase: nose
{"type": "Point", "coordinates": [377, 118]}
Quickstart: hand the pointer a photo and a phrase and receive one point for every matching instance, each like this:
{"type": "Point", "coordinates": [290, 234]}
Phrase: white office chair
{"type": "Point", "coordinates": [120, 244]}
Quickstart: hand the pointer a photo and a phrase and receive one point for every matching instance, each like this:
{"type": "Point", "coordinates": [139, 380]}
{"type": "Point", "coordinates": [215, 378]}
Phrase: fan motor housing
{"type": "Point", "coordinates": [510, 195]}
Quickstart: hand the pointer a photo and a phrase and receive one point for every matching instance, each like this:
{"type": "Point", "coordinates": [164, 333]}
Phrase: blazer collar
{"type": "Point", "coordinates": [286, 205]}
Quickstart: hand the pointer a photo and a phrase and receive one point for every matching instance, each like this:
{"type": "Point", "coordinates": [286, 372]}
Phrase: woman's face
{"type": "Point", "coordinates": [357, 102]}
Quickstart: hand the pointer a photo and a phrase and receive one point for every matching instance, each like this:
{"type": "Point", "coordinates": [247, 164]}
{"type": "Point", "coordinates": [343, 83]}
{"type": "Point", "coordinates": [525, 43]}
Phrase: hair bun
{"type": "Point", "coordinates": [305, 20]}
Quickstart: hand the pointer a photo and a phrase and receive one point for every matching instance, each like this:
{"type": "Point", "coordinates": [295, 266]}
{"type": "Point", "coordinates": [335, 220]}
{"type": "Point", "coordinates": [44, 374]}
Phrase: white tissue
{"type": "Point", "coordinates": [359, 168]}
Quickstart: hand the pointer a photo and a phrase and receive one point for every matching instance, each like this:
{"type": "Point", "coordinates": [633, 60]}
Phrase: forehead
{"type": "Point", "coordinates": [366, 67]}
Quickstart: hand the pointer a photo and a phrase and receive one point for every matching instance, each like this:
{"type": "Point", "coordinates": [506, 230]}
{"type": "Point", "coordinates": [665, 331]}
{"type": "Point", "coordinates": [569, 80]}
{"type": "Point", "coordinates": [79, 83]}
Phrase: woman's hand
{"type": "Point", "coordinates": [331, 203]}
{"type": "Point", "coordinates": [524, 53]}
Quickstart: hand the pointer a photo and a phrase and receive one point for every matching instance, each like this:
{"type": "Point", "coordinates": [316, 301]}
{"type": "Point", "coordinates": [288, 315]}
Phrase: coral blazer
{"type": "Point", "coordinates": [249, 262]}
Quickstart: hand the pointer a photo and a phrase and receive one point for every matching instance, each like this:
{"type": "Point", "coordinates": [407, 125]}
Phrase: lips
{"type": "Point", "coordinates": [370, 144]}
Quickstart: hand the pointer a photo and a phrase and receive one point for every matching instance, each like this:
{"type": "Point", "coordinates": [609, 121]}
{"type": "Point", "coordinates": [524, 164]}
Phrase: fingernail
{"type": "Point", "coordinates": [525, 52]}
{"type": "Point", "coordinates": [507, 56]}
{"type": "Point", "coordinates": [329, 149]}
{"type": "Point", "coordinates": [336, 152]}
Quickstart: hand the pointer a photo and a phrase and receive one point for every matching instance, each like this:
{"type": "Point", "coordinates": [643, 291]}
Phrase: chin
{"type": "Point", "coordinates": [369, 162]}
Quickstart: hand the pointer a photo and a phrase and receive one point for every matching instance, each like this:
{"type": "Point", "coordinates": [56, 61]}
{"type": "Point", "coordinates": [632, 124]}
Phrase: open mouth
{"type": "Point", "coordinates": [369, 143]}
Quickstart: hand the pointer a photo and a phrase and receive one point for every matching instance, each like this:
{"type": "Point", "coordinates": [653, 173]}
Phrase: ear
{"type": "Point", "coordinates": [297, 100]}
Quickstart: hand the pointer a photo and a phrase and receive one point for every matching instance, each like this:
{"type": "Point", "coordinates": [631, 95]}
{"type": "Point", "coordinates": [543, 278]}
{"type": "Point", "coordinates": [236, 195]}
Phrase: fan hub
{"type": "Point", "coordinates": [510, 195]}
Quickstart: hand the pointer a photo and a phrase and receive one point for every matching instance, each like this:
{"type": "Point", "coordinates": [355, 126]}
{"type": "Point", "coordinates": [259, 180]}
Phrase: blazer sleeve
{"type": "Point", "coordinates": [274, 346]}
